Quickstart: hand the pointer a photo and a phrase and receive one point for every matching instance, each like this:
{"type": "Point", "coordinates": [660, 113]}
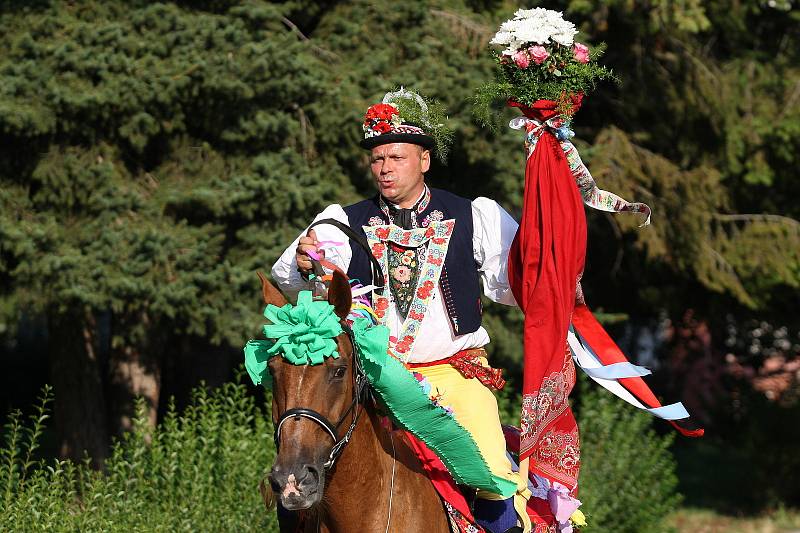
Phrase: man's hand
{"type": "Point", "coordinates": [306, 244]}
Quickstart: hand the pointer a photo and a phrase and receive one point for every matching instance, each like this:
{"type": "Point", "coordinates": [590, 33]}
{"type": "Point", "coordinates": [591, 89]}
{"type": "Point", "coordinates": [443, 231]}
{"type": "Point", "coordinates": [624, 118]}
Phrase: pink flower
{"type": "Point", "coordinates": [402, 274]}
{"type": "Point", "coordinates": [538, 54]}
{"type": "Point", "coordinates": [521, 59]}
{"type": "Point", "coordinates": [581, 52]}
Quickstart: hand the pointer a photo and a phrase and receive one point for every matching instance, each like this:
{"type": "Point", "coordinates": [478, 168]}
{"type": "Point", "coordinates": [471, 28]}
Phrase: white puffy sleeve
{"type": "Point", "coordinates": [494, 231]}
{"type": "Point", "coordinates": [332, 240]}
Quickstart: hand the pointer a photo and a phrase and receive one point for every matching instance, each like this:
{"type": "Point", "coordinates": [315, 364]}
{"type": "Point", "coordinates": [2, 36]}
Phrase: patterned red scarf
{"type": "Point", "coordinates": [545, 263]}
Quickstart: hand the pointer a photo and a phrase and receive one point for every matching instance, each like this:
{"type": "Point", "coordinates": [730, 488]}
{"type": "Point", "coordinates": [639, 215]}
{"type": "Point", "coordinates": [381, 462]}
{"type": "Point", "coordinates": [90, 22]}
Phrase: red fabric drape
{"type": "Point", "coordinates": [545, 262]}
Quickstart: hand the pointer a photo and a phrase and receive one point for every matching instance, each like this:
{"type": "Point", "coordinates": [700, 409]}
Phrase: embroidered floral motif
{"type": "Point", "coordinates": [426, 199]}
{"type": "Point", "coordinates": [403, 275]}
{"type": "Point", "coordinates": [420, 244]}
{"type": "Point", "coordinates": [556, 453]}
{"type": "Point", "coordinates": [433, 216]}
{"type": "Point", "coordinates": [381, 306]}
{"type": "Point", "coordinates": [377, 250]}
{"type": "Point", "coordinates": [542, 407]}
{"type": "Point", "coordinates": [376, 221]}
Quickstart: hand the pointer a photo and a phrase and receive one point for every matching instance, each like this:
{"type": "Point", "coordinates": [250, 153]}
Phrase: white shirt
{"type": "Point", "coordinates": [493, 233]}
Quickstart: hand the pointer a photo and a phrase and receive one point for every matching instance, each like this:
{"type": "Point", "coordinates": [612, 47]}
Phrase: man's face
{"type": "Point", "coordinates": [399, 171]}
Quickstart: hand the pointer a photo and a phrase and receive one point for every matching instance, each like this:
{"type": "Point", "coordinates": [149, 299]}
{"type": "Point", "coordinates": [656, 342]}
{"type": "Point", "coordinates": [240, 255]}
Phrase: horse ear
{"type": "Point", "coordinates": [271, 294]}
{"type": "Point", "coordinates": [339, 295]}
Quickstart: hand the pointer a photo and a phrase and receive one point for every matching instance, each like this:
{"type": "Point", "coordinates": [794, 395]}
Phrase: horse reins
{"type": "Point", "coordinates": [359, 377]}
{"type": "Point", "coordinates": [375, 266]}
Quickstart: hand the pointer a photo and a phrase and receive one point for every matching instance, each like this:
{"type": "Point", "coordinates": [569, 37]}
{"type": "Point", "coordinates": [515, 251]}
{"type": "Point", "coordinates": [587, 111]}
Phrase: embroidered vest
{"type": "Point", "coordinates": [459, 281]}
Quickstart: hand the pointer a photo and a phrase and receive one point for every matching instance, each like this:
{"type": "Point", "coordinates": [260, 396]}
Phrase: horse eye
{"type": "Point", "coordinates": [339, 372]}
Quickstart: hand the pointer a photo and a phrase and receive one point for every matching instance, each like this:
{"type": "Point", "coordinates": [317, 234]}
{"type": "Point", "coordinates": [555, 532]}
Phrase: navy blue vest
{"type": "Point", "coordinates": [459, 281]}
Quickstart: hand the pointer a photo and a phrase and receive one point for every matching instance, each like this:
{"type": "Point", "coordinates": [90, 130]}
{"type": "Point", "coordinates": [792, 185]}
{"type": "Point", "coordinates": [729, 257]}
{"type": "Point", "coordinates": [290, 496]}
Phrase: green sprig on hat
{"type": "Point", "coordinates": [427, 113]}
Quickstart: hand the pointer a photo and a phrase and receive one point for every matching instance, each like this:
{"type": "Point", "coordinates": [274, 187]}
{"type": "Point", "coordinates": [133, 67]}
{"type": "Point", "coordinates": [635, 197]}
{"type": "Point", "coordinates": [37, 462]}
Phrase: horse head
{"type": "Point", "coordinates": [323, 398]}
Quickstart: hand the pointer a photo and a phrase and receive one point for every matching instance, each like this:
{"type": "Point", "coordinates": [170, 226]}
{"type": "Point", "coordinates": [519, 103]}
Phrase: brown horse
{"type": "Point", "coordinates": [376, 484]}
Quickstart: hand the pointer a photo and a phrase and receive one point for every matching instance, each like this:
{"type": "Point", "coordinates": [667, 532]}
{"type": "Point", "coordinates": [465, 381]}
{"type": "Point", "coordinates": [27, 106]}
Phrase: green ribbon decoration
{"type": "Point", "coordinates": [304, 334]}
{"type": "Point", "coordinates": [411, 409]}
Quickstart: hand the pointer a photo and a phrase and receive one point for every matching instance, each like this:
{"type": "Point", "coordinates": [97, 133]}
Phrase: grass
{"type": "Point", "coordinates": [197, 471]}
{"type": "Point", "coordinates": [706, 521]}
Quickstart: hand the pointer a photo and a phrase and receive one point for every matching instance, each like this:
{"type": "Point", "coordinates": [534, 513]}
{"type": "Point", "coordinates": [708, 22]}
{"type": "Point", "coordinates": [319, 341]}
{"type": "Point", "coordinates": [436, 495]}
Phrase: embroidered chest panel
{"type": "Point", "coordinates": [397, 249]}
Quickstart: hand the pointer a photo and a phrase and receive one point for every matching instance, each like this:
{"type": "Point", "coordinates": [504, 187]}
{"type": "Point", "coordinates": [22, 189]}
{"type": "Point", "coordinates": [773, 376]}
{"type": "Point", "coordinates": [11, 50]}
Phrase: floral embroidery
{"type": "Point", "coordinates": [419, 250]}
{"type": "Point", "coordinates": [403, 275]}
{"type": "Point", "coordinates": [423, 205]}
{"type": "Point", "coordinates": [376, 221]}
{"type": "Point", "coordinates": [404, 345]}
{"type": "Point", "coordinates": [381, 306]}
{"type": "Point", "coordinates": [544, 406]}
{"type": "Point", "coordinates": [377, 250]}
{"type": "Point", "coordinates": [556, 453]}
{"type": "Point", "coordinates": [433, 216]}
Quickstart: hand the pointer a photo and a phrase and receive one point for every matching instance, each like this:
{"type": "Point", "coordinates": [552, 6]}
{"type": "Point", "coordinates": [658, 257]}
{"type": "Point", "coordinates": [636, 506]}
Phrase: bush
{"type": "Point", "coordinates": [197, 471]}
{"type": "Point", "coordinates": [628, 482]}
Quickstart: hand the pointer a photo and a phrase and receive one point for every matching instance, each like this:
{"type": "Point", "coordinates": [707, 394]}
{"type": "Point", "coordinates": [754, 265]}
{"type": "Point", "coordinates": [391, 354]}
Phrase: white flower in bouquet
{"type": "Point", "coordinates": [539, 26]}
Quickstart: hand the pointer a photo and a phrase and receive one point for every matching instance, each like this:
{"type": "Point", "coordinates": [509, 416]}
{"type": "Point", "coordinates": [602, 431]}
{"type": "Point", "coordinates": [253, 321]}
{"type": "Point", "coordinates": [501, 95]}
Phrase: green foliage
{"type": "Point", "coordinates": [157, 145]}
{"type": "Point", "coordinates": [557, 78]}
{"type": "Point", "coordinates": [628, 482]}
{"type": "Point", "coordinates": [197, 471]}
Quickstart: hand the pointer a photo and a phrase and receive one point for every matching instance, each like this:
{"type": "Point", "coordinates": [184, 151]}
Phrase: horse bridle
{"type": "Point", "coordinates": [360, 379]}
{"type": "Point", "coordinates": [359, 395]}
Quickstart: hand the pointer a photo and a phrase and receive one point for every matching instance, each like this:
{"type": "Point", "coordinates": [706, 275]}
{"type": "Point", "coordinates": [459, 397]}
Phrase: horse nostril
{"type": "Point", "coordinates": [309, 475]}
{"type": "Point", "coordinates": [275, 484]}
{"type": "Point", "coordinates": [313, 470]}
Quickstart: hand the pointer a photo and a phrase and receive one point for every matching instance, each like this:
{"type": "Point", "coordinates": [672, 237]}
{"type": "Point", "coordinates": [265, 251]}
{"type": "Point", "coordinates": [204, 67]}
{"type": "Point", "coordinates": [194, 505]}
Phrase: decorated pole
{"type": "Point", "coordinates": [546, 75]}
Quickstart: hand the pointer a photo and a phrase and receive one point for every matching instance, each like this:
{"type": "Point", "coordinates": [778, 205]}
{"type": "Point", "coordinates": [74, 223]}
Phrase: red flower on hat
{"type": "Point", "coordinates": [382, 112]}
{"type": "Point", "coordinates": [382, 127]}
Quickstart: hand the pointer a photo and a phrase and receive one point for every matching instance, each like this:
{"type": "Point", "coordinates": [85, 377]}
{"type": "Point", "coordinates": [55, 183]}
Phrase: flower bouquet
{"type": "Point", "coordinates": [541, 61]}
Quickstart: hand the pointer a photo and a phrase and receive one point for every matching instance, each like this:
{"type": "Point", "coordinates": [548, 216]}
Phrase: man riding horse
{"type": "Point", "coordinates": [432, 307]}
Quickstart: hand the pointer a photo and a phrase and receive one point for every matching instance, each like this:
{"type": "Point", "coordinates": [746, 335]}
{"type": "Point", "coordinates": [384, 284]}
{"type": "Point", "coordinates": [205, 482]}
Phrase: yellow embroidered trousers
{"type": "Point", "coordinates": [475, 407]}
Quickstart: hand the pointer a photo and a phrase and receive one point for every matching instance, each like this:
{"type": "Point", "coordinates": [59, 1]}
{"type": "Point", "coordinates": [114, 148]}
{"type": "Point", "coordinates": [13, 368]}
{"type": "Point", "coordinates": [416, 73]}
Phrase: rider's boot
{"type": "Point", "coordinates": [496, 516]}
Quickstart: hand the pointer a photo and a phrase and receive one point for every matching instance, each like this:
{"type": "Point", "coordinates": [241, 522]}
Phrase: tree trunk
{"type": "Point", "coordinates": [134, 372]}
{"type": "Point", "coordinates": [79, 407]}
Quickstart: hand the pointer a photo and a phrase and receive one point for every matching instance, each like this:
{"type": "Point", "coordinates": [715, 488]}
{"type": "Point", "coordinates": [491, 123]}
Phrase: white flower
{"type": "Point", "coordinates": [538, 25]}
{"type": "Point", "coordinates": [502, 37]}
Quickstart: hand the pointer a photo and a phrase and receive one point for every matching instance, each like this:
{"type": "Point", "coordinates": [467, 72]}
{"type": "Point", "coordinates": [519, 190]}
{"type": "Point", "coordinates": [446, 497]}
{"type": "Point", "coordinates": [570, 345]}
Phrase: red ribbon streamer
{"type": "Point", "coordinates": [609, 353]}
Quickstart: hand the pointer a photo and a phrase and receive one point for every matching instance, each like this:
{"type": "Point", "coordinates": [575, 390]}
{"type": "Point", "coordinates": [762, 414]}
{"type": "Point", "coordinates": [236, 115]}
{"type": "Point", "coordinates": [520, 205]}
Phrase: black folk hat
{"type": "Point", "coordinates": [402, 117]}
